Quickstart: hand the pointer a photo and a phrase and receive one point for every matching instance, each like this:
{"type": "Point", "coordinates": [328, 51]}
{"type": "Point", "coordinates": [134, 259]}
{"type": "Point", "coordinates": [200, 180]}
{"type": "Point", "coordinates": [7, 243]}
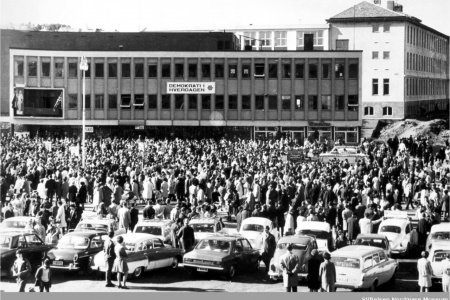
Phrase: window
{"type": "Point", "coordinates": [312, 102]}
{"type": "Point", "coordinates": [87, 73]}
{"type": "Point", "coordinates": [73, 70]}
{"type": "Point", "coordinates": [280, 38]}
{"type": "Point", "coordinates": [219, 70]}
{"type": "Point", "coordinates": [273, 71]}
{"type": "Point", "coordinates": [87, 101]}
{"type": "Point", "coordinates": [112, 70]}
{"type": "Point", "coordinates": [59, 69]}
{"type": "Point", "coordinates": [326, 71]}
{"type": "Point", "coordinates": [286, 102]}
{"type": "Point", "coordinates": [246, 102]}
{"type": "Point", "coordinates": [165, 72]}
{"type": "Point", "coordinates": [246, 245]}
{"type": "Point", "coordinates": [179, 70]}
{"type": "Point", "coordinates": [232, 71]}
{"type": "Point", "coordinates": [318, 37]}
{"type": "Point", "coordinates": [259, 102]}
{"type": "Point", "coordinates": [45, 69]}
{"type": "Point", "coordinates": [374, 54]}
{"type": "Point", "coordinates": [18, 70]}
{"type": "Point", "coordinates": [326, 102]}
{"type": "Point", "coordinates": [313, 71]}
{"type": "Point", "coordinates": [367, 262]}
{"type": "Point", "coordinates": [386, 27]}
{"type": "Point", "coordinates": [376, 259]}
{"type": "Point", "coordinates": [385, 86]}
{"type": "Point", "coordinates": [341, 45]}
{"type": "Point", "coordinates": [339, 71]}
{"type": "Point", "coordinates": [386, 54]}
{"type": "Point", "coordinates": [300, 102]}
{"type": "Point", "coordinates": [179, 101]}
{"type": "Point", "coordinates": [353, 103]}
{"type": "Point", "coordinates": [219, 102]}
{"type": "Point", "coordinates": [265, 38]}
{"type": "Point", "coordinates": [375, 28]}
{"type": "Point", "coordinates": [206, 70]}
{"type": "Point", "coordinates": [139, 70]}
{"type": "Point", "coordinates": [382, 255]}
{"type": "Point", "coordinates": [374, 86]}
{"type": "Point", "coordinates": [249, 38]}
{"type": "Point", "coordinates": [368, 111]}
{"type": "Point", "coordinates": [353, 71]}
{"type": "Point", "coordinates": [73, 101]}
{"type": "Point", "coordinates": [99, 102]}
{"type": "Point", "coordinates": [99, 71]}
{"type": "Point", "coordinates": [286, 71]}
{"type": "Point", "coordinates": [387, 111]}
{"type": "Point", "coordinates": [165, 101]}
{"type": "Point", "coordinates": [192, 68]}
{"type": "Point", "coordinates": [138, 101]}
{"type": "Point", "coordinates": [125, 101]}
{"type": "Point", "coordinates": [339, 102]}
{"type": "Point", "coordinates": [126, 71]}
{"type": "Point", "coordinates": [299, 71]}
{"type": "Point", "coordinates": [192, 102]}
{"type": "Point", "coordinates": [232, 102]}
{"type": "Point", "coordinates": [112, 101]}
{"type": "Point", "coordinates": [259, 70]}
{"type": "Point", "coordinates": [273, 102]}
{"type": "Point", "coordinates": [152, 101]}
{"type": "Point", "coordinates": [206, 102]}
{"type": "Point", "coordinates": [152, 71]}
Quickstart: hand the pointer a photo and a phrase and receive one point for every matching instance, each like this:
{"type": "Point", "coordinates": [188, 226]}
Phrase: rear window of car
{"type": "Point", "coordinates": [295, 246]}
{"type": "Point", "coordinates": [441, 236]}
{"type": "Point", "coordinates": [371, 242]}
{"type": "Point", "coordinates": [253, 227]}
{"type": "Point", "coordinates": [318, 234]}
{"type": "Point", "coordinates": [390, 228]}
{"type": "Point", "coordinates": [155, 230]}
{"type": "Point", "coordinates": [203, 227]}
{"type": "Point", "coordinates": [440, 255]}
{"type": "Point", "coordinates": [87, 226]}
{"type": "Point", "coordinates": [214, 245]}
{"type": "Point", "coordinates": [346, 262]}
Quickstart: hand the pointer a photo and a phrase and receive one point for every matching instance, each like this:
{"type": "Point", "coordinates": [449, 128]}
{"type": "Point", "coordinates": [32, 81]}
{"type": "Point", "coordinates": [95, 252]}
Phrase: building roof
{"type": "Point", "coordinates": [367, 10]}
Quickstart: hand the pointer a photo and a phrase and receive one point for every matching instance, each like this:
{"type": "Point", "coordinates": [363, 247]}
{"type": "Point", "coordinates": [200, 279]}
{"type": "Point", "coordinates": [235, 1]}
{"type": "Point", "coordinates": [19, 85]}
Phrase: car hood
{"type": "Point", "coordinates": [201, 235]}
{"type": "Point", "coordinates": [65, 254]}
{"type": "Point", "coordinates": [6, 251]}
{"type": "Point", "coordinates": [394, 239]}
{"type": "Point", "coordinates": [206, 255]}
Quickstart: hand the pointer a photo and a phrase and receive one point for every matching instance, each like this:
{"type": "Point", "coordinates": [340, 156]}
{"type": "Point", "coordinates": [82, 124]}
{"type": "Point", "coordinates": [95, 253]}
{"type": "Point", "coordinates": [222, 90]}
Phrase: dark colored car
{"type": "Point", "coordinates": [75, 250]}
{"type": "Point", "coordinates": [224, 254]}
{"type": "Point", "coordinates": [33, 249]}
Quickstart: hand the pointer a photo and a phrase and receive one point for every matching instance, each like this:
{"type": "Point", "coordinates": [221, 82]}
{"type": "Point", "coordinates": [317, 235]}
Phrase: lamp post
{"type": "Point", "coordinates": [84, 67]}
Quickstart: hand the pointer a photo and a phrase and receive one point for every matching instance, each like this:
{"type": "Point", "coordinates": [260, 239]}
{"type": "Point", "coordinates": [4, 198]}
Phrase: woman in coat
{"type": "Point", "coordinates": [327, 274]}
{"type": "Point", "coordinates": [120, 265]}
{"type": "Point", "coordinates": [425, 271]}
{"type": "Point", "coordinates": [313, 271]}
{"type": "Point", "coordinates": [173, 233]}
{"type": "Point", "coordinates": [61, 216]}
{"type": "Point", "coordinates": [446, 274]}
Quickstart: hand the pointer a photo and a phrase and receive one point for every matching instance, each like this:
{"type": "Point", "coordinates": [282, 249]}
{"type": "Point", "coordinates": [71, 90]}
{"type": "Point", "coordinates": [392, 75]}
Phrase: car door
{"type": "Point", "coordinates": [27, 253]}
{"type": "Point", "coordinates": [151, 255]}
{"type": "Point", "coordinates": [161, 256]}
{"type": "Point", "coordinates": [368, 270]}
{"type": "Point", "coordinates": [38, 249]}
{"type": "Point", "coordinates": [378, 269]}
{"type": "Point", "coordinates": [249, 254]}
{"type": "Point", "coordinates": [386, 268]}
{"type": "Point", "coordinates": [239, 255]}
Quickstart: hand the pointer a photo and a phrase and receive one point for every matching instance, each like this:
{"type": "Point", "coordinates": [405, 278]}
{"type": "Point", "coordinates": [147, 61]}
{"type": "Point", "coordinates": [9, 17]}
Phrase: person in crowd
{"type": "Point", "coordinates": [269, 246]}
{"type": "Point", "coordinates": [123, 214]}
{"type": "Point", "coordinates": [44, 277]}
{"type": "Point", "coordinates": [446, 274]}
{"type": "Point", "coordinates": [110, 256]}
{"type": "Point", "coordinates": [134, 216]}
{"type": "Point", "coordinates": [186, 236]}
{"type": "Point", "coordinates": [425, 271]}
{"type": "Point", "coordinates": [289, 264]}
{"type": "Point", "coordinates": [120, 265]}
{"type": "Point", "coordinates": [174, 228]}
{"type": "Point", "coordinates": [327, 274]}
{"type": "Point", "coordinates": [314, 282]}
{"type": "Point", "coordinates": [21, 270]}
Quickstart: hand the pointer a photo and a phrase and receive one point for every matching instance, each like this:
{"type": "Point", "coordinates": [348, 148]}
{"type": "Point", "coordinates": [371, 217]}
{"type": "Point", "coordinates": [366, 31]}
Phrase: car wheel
{"type": "Point", "coordinates": [174, 263]}
{"type": "Point", "coordinates": [231, 272]}
{"type": "Point", "coordinates": [138, 272]}
{"type": "Point", "coordinates": [373, 287]}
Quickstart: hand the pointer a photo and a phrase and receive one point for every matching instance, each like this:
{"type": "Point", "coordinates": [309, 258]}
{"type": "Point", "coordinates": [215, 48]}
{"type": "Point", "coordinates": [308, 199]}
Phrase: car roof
{"type": "Point", "coordinates": [204, 220]}
{"type": "Point", "coordinates": [371, 236]}
{"type": "Point", "coordinates": [155, 222]}
{"type": "Point", "coordinates": [302, 239]}
{"type": "Point", "coordinates": [15, 233]}
{"type": "Point", "coordinates": [440, 227]}
{"type": "Point", "coordinates": [355, 250]}
{"type": "Point", "coordinates": [257, 220]}
{"type": "Point", "coordinates": [86, 233]}
{"type": "Point", "coordinates": [224, 237]}
{"type": "Point", "coordinates": [96, 221]}
{"type": "Point", "coordinates": [396, 222]}
{"type": "Point", "coordinates": [324, 226]}
{"type": "Point", "coordinates": [137, 237]}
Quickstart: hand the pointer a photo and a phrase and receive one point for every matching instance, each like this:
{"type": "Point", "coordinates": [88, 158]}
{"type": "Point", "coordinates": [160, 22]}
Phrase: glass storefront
{"type": "Point", "coordinates": [348, 134]}
{"type": "Point", "coordinates": [321, 133]}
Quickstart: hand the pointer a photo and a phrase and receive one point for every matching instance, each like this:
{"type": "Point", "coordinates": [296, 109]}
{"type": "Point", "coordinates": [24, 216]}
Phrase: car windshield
{"type": "Point", "coordinates": [440, 255]}
{"type": "Point", "coordinates": [371, 242]}
{"type": "Point", "coordinates": [13, 224]}
{"type": "Point", "coordinates": [86, 226]}
{"type": "Point", "coordinates": [214, 245]}
{"type": "Point", "coordinates": [203, 227]}
{"type": "Point", "coordinates": [156, 230]}
{"type": "Point", "coordinates": [441, 235]}
{"type": "Point", "coordinates": [5, 241]}
{"type": "Point", "coordinates": [295, 246]}
{"type": "Point", "coordinates": [318, 234]}
{"type": "Point", "coordinates": [253, 227]}
{"type": "Point", "coordinates": [390, 228]}
{"type": "Point", "coordinates": [346, 262]}
{"type": "Point", "coordinates": [73, 242]}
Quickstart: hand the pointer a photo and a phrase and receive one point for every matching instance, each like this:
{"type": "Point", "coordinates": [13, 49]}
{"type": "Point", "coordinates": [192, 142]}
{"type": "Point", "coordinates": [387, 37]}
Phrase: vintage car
{"type": "Point", "coordinates": [438, 233]}
{"type": "Point", "coordinates": [157, 227]}
{"type": "Point", "coordinates": [98, 223]}
{"type": "Point", "coordinates": [374, 240]}
{"type": "Point", "coordinates": [204, 226]}
{"type": "Point", "coordinates": [397, 228]}
{"type": "Point", "coordinates": [75, 250]}
{"type": "Point", "coordinates": [363, 267]}
{"type": "Point", "coordinates": [224, 254]}
{"type": "Point", "coordinates": [146, 252]}
{"type": "Point", "coordinates": [302, 245]}
{"type": "Point", "coordinates": [351, 153]}
{"type": "Point", "coordinates": [321, 231]}
{"type": "Point", "coordinates": [253, 230]}
{"type": "Point", "coordinates": [437, 256]}
{"type": "Point", "coordinates": [16, 224]}
{"type": "Point", "coordinates": [33, 249]}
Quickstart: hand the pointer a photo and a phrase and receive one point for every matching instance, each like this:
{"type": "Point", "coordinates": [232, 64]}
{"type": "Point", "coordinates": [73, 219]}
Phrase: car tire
{"type": "Point", "coordinates": [174, 263]}
{"type": "Point", "coordinates": [231, 272]}
{"type": "Point", "coordinates": [373, 287]}
{"type": "Point", "coordinates": [138, 272]}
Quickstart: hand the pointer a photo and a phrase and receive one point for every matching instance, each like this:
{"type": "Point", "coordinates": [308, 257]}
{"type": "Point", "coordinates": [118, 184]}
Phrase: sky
{"type": "Point", "coordinates": [140, 15]}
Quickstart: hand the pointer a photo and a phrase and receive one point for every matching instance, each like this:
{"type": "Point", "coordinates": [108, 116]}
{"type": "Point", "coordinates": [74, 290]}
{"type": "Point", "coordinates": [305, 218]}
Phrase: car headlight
{"type": "Point", "coordinates": [75, 257]}
{"type": "Point", "coordinates": [188, 260]}
{"type": "Point", "coordinates": [216, 263]}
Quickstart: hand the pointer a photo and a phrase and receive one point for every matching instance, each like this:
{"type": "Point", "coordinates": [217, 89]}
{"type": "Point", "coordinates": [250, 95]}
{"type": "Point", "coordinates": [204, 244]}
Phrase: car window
{"type": "Point", "coordinates": [253, 227]}
{"type": "Point", "coordinates": [5, 241]}
{"type": "Point", "coordinates": [33, 240]}
{"type": "Point", "coordinates": [157, 244]}
{"type": "Point", "coordinates": [96, 242]}
{"type": "Point", "coordinates": [346, 262]}
{"type": "Point", "coordinates": [441, 235]}
{"type": "Point", "coordinates": [390, 228]}
{"type": "Point", "coordinates": [239, 246]}
{"type": "Point", "coordinates": [246, 245]}
{"type": "Point", "coordinates": [149, 244]}
{"type": "Point", "coordinates": [382, 255]}
{"type": "Point", "coordinates": [155, 230]}
{"type": "Point", "coordinates": [376, 259]}
{"type": "Point", "coordinates": [408, 229]}
{"type": "Point", "coordinates": [22, 242]}
{"type": "Point", "coordinates": [73, 241]}
{"type": "Point", "coordinates": [213, 245]}
{"type": "Point", "coordinates": [367, 262]}
{"type": "Point", "coordinates": [203, 227]}
{"type": "Point", "coordinates": [295, 246]}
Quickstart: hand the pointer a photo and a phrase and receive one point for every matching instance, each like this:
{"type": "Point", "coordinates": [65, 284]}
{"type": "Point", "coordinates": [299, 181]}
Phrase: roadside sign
{"type": "Point", "coordinates": [139, 127]}
{"type": "Point", "coordinates": [89, 129]}
{"type": "Point", "coordinates": [295, 156]}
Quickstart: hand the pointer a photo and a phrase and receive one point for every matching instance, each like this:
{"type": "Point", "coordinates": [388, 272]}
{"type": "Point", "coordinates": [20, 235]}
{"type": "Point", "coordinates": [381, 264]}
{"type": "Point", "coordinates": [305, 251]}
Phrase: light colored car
{"type": "Point", "coordinates": [397, 228]}
{"type": "Point", "coordinates": [205, 226]}
{"type": "Point", "coordinates": [98, 223]}
{"type": "Point", "coordinates": [156, 227]}
{"type": "Point", "coordinates": [302, 246]}
{"type": "Point", "coordinates": [145, 252]}
{"type": "Point", "coordinates": [363, 267]}
{"type": "Point", "coordinates": [438, 254]}
{"type": "Point", "coordinates": [374, 240]}
{"type": "Point", "coordinates": [351, 153]}
{"type": "Point", "coordinates": [14, 224]}
{"type": "Point", "coordinates": [438, 233]}
{"type": "Point", "coordinates": [253, 230]}
{"type": "Point", "coordinates": [321, 231]}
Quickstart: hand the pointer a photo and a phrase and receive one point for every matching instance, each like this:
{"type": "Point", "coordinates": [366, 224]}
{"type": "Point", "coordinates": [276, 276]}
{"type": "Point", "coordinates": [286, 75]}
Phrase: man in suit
{"type": "Point", "coordinates": [50, 186]}
{"type": "Point", "coordinates": [82, 194]}
{"type": "Point", "coordinates": [186, 236]}
{"type": "Point", "coordinates": [72, 218]}
{"type": "Point", "coordinates": [110, 256]}
{"type": "Point", "coordinates": [123, 214]}
{"type": "Point", "coordinates": [269, 246]}
{"type": "Point", "coordinates": [21, 270]}
{"type": "Point", "coordinates": [73, 192]}
{"type": "Point", "coordinates": [148, 212]}
{"type": "Point", "coordinates": [289, 264]}
{"type": "Point", "coordinates": [134, 216]}
{"type": "Point", "coordinates": [327, 274]}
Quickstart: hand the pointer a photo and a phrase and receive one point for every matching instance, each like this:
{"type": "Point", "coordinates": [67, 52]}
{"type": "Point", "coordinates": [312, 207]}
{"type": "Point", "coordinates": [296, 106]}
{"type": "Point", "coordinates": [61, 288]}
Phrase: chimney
{"type": "Point", "coordinates": [390, 5]}
{"type": "Point", "coordinates": [377, 2]}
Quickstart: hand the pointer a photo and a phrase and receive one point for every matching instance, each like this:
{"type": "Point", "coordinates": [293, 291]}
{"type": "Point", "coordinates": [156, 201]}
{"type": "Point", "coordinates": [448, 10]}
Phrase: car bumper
{"type": "Point", "coordinates": [69, 267]}
{"type": "Point", "coordinates": [194, 267]}
{"type": "Point", "coordinates": [398, 250]}
{"type": "Point", "coordinates": [350, 286]}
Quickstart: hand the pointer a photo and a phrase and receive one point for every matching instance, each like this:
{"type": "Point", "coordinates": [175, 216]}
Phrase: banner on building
{"type": "Point", "coordinates": [191, 87]}
{"type": "Point", "coordinates": [295, 156]}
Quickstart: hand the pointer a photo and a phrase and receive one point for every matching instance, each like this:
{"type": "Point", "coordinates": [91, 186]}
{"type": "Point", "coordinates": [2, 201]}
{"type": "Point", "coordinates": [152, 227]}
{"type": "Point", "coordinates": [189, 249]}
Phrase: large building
{"type": "Point", "coordinates": [177, 83]}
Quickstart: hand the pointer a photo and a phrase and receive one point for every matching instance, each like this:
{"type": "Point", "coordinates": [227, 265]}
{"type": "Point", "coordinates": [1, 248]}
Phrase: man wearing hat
{"type": "Point", "coordinates": [289, 264]}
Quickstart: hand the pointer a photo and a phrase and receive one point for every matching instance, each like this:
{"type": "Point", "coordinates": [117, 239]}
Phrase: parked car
{"type": "Point", "coordinates": [438, 254]}
{"type": "Point", "coordinates": [374, 240]}
{"type": "Point", "coordinates": [146, 252]}
{"type": "Point", "coordinates": [156, 227]}
{"type": "Point", "coordinates": [363, 267]}
{"type": "Point", "coordinates": [321, 231]}
{"type": "Point", "coordinates": [204, 226]}
{"type": "Point", "coordinates": [302, 245]}
{"type": "Point", "coordinates": [224, 254]}
{"type": "Point", "coordinates": [16, 224]}
{"type": "Point", "coordinates": [33, 249]}
{"type": "Point", "coordinates": [97, 223]}
{"type": "Point", "coordinates": [75, 250]}
{"type": "Point", "coordinates": [253, 230]}
{"type": "Point", "coordinates": [438, 233]}
{"type": "Point", "coordinates": [397, 228]}
{"type": "Point", "coordinates": [351, 153]}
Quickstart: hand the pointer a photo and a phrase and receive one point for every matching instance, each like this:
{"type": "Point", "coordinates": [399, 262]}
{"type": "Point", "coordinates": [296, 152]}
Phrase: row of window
{"type": "Point", "coordinates": [386, 54]}
{"type": "Point", "coordinates": [192, 70]}
{"type": "Point", "coordinates": [375, 88]}
{"type": "Point", "coordinates": [421, 38]}
{"type": "Point", "coordinates": [376, 27]}
{"type": "Point", "coordinates": [387, 111]}
{"type": "Point", "coordinates": [426, 86]}
{"type": "Point", "coordinates": [126, 101]}
{"type": "Point", "coordinates": [416, 62]}
{"type": "Point", "coordinates": [279, 38]}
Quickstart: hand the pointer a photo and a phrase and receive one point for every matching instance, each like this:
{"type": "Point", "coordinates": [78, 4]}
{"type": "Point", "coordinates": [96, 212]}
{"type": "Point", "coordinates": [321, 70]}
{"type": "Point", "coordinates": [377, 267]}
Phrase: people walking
{"type": "Point", "coordinates": [425, 271]}
{"type": "Point", "coordinates": [269, 245]}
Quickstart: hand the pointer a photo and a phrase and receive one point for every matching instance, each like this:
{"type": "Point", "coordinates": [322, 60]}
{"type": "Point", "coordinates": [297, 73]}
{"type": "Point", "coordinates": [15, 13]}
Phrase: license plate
{"type": "Point", "coordinates": [342, 279]}
{"type": "Point", "coordinates": [57, 263]}
{"type": "Point", "coordinates": [202, 270]}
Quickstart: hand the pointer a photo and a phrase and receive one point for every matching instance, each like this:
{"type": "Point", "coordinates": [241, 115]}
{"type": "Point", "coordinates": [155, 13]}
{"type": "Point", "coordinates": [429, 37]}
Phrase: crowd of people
{"type": "Point", "coordinates": [179, 179]}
